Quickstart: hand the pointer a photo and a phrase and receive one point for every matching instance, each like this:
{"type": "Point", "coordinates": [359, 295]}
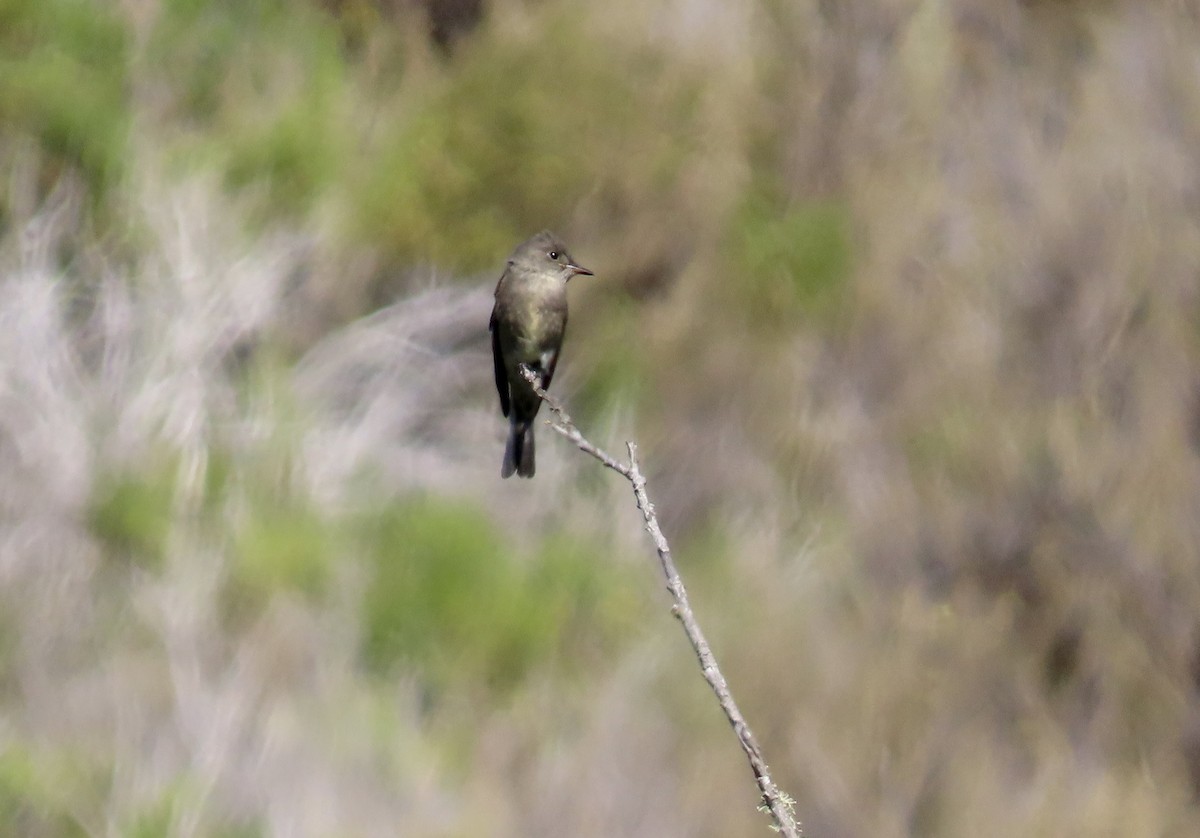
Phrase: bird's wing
{"type": "Point", "coordinates": [498, 363]}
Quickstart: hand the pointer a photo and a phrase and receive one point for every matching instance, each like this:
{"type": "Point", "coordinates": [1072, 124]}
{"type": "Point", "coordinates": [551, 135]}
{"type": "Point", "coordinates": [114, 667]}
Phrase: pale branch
{"type": "Point", "coordinates": [775, 801]}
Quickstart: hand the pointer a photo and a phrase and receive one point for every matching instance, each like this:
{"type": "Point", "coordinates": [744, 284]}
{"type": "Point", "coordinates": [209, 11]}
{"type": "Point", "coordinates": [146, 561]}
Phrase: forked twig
{"type": "Point", "coordinates": [775, 801]}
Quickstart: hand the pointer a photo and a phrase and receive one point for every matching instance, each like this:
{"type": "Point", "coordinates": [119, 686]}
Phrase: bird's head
{"type": "Point", "coordinates": [545, 253]}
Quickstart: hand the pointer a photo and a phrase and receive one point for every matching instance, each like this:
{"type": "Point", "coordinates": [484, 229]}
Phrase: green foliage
{"type": "Point", "coordinates": [517, 134]}
{"type": "Point", "coordinates": [157, 819]}
{"type": "Point", "coordinates": [154, 821]}
{"type": "Point", "coordinates": [195, 45]}
{"type": "Point", "coordinates": [261, 84]}
{"type": "Point", "coordinates": [280, 540]}
{"type": "Point", "coordinates": [131, 515]}
{"type": "Point", "coordinates": [790, 261]}
{"type": "Point", "coordinates": [276, 541]}
{"type": "Point", "coordinates": [64, 84]}
{"type": "Point", "coordinates": [40, 793]}
{"type": "Point", "coordinates": [584, 598]}
{"type": "Point", "coordinates": [616, 362]}
{"type": "Point", "coordinates": [281, 544]}
{"type": "Point", "coordinates": [293, 153]}
{"type": "Point", "coordinates": [452, 597]}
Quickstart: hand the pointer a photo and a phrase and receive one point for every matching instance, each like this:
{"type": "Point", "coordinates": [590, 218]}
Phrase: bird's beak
{"type": "Point", "coordinates": [577, 270]}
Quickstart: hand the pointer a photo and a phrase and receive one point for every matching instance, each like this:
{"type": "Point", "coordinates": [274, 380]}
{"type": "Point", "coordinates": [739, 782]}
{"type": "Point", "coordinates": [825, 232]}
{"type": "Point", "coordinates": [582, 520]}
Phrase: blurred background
{"type": "Point", "coordinates": [898, 297]}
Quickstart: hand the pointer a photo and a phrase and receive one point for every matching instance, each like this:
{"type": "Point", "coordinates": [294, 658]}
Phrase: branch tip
{"type": "Point", "coordinates": [780, 806]}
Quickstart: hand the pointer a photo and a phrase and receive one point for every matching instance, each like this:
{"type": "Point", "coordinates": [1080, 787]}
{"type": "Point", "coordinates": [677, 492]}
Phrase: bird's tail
{"type": "Point", "coordinates": [518, 453]}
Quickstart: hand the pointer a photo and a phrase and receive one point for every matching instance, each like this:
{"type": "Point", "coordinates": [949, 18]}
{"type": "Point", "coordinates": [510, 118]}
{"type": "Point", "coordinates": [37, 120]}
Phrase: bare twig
{"type": "Point", "coordinates": [775, 801]}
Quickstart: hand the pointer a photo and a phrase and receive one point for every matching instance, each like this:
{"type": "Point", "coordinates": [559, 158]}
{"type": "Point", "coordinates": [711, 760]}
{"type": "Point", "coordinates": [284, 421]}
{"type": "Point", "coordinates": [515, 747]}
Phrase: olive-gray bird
{"type": "Point", "coordinates": [528, 322]}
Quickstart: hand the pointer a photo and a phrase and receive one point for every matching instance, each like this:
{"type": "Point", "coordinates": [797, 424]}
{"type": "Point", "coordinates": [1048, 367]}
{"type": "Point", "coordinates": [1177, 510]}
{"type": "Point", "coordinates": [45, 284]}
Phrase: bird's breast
{"type": "Point", "coordinates": [535, 319]}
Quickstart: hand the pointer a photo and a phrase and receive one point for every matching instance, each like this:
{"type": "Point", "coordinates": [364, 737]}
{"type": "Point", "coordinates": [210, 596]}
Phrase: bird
{"type": "Point", "coordinates": [529, 320]}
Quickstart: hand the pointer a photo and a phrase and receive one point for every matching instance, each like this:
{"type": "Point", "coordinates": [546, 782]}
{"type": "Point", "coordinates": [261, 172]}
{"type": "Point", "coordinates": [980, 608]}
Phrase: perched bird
{"type": "Point", "coordinates": [528, 323]}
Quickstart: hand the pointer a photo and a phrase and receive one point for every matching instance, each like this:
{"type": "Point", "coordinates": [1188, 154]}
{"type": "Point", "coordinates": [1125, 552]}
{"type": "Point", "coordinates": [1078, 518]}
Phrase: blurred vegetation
{"type": "Point", "coordinates": [519, 132]}
{"type": "Point", "coordinates": [899, 299]}
{"type": "Point", "coordinates": [793, 263]}
{"type": "Point", "coordinates": [449, 596]}
{"type": "Point", "coordinates": [65, 87]}
{"type": "Point", "coordinates": [132, 516]}
{"type": "Point", "coordinates": [256, 89]}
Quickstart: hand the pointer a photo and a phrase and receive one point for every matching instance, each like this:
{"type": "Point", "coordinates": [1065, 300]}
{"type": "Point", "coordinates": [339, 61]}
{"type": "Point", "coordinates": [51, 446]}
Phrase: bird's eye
{"type": "Point", "coordinates": [553, 254]}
